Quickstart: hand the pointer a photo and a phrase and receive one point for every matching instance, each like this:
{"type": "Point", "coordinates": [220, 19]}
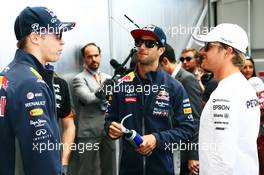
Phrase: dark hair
{"type": "Point", "coordinates": [21, 44]}
{"type": "Point", "coordinates": [169, 54]}
{"type": "Point", "coordinates": [89, 44]}
{"type": "Point", "coordinates": [253, 63]}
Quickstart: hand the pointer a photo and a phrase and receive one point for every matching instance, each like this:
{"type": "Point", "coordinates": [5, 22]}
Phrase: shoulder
{"type": "Point", "coordinates": [60, 82]}
{"type": "Point", "coordinates": [81, 75]}
{"type": "Point", "coordinates": [256, 83]}
{"type": "Point", "coordinates": [20, 76]}
{"type": "Point", "coordinates": [170, 82]}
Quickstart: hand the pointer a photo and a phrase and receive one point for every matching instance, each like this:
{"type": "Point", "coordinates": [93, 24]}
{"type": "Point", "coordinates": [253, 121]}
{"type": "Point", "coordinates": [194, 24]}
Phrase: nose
{"type": "Point", "coordinates": [93, 57]}
{"type": "Point", "coordinates": [142, 46]}
{"type": "Point", "coordinates": [62, 42]}
{"type": "Point", "coordinates": [185, 61]}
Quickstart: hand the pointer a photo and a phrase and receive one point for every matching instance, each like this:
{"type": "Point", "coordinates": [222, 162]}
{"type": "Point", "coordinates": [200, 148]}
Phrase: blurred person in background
{"type": "Point", "coordinates": [65, 114]}
{"type": "Point", "coordinates": [100, 156]}
{"type": "Point", "coordinates": [250, 74]}
{"type": "Point", "coordinates": [191, 63]}
{"type": "Point", "coordinates": [189, 158]}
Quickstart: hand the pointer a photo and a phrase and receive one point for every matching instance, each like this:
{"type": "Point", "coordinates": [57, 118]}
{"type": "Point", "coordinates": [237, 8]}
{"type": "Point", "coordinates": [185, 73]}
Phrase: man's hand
{"type": "Point", "coordinates": [105, 89]}
{"type": "Point", "coordinates": [193, 166]}
{"type": "Point", "coordinates": [148, 144]}
{"type": "Point", "coordinates": [115, 130]}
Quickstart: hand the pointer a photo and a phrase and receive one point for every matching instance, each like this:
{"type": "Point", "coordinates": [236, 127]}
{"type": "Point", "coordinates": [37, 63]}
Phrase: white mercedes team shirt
{"type": "Point", "coordinates": [229, 128]}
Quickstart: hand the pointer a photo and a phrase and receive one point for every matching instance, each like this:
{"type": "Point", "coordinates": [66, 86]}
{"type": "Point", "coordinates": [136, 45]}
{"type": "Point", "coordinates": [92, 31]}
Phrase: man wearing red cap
{"type": "Point", "coordinates": [159, 108]}
{"type": "Point", "coordinates": [28, 114]}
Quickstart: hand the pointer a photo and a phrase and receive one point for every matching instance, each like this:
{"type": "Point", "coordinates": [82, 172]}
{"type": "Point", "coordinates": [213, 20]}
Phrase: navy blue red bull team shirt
{"type": "Point", "coordinates": [160, 106]}
{"type": "Point", "coordinates": [28, 114]}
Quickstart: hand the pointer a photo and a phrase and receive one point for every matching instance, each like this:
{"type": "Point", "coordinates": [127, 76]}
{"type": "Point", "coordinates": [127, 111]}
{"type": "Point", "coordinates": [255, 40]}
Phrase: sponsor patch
{"type": "Point", "coordinates": [35, 103]}
{"type": "Point", "coordinates": [220, 128]}
{"type": "Point", "coordinates": [161, 104]}
{"type": "Point", "coordinates": [160, 112]}
{"type": "Point", "coordinates": [163, 95]}
{"type": "Point", "coordinates": [36, 112]}
{"type": "Point", "coordinates": [41, 132]}
{"type": "Point", "coordinates": [130, 99]}
{"type": "Point", "coordinates": [186, 105]}
{"type": "Point", "coordinates": [3, 82]}
{"type": "Point", "coordinates": [187, 110]}
{"type": "Point", "coordinates": [2, 106]}
{"type": "Point", "coordinates": [186, 100]}
{"type": "Point", "coordinates": [220, 100]}
{"type": "Point", "coordinates": [38, 123]}
{"type": "Point", "coordinates": [190, 117]}
{"type": "Point", "coordinates": [221, 107]}
{"type": "Point", "coordinates": [31, 95]}
{"type": "Point", "coordinates": [252, 103]}
{"type": "Point", "coordinates": [130, 94]}
{"type": "Point", "coordinates": [129, 77]}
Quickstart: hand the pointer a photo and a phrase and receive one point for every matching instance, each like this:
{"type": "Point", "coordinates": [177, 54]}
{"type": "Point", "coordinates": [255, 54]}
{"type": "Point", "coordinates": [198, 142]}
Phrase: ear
{"type": "Point", "coordinates": [161, 50]}
{"type": "Point", "coordinates": [229, 51]}
{"type": "Point", "coordinates": [165, 61]}
{"type": "Point", "coordinates": [34, 38]}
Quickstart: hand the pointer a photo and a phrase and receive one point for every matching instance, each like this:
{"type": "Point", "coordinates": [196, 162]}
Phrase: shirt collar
{"type": "Point", "coordinates": [176, 70]}
{"type": "Point", "coordinates": [92, 72]}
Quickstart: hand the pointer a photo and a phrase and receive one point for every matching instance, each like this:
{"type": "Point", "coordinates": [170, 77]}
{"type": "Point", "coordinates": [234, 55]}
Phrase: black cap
{"type": "Point", "coordinates": [150, 30]}
{"type": "Point", "coordinates": [39, 20]}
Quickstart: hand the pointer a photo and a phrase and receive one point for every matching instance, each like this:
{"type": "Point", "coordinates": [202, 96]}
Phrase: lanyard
{"type": "Point", "coordinates": [96, 78]}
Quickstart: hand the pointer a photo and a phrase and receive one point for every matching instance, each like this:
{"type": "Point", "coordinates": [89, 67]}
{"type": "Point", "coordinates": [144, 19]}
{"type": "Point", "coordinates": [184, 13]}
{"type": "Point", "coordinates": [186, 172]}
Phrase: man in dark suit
{"type": "Point", "coordinates": [189, 158]}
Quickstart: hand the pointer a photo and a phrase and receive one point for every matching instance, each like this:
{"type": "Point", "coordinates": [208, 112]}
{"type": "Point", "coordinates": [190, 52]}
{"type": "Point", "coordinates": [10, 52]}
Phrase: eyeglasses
{"type": "Point", "coordinates": [207, 46]}
{"type": "Point", "coordinates": [148, 43]}
{"type": "Point", "coordinates": [58, 35]}
{"type": "Point", "coordinates": [185, 58]}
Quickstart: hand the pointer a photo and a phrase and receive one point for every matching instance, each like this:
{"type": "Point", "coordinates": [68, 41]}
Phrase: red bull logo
{"type": "Point", "coordinates": [129, 77]}
{"type": "Point", "coordinates": [3, 82]}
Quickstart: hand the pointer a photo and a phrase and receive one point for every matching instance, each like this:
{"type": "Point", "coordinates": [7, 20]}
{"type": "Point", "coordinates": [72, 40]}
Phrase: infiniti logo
{"type": "Point", "coordinates": [35, 27]}
{"type": "Point", "coordinates": [41, 132]}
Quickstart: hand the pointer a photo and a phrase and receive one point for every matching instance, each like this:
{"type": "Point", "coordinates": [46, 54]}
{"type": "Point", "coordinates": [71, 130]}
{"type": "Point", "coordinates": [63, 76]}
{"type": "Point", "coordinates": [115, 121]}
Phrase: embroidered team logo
{"type": "Point", "coordinates": [2, 106]}
{"type": "Point", "coordinates": [3, 82]}
{"type": "Point", "coordinates": [129, 77]}
{"type": "Point", "coordinates": [187, 110]}
{"type": "Point", "coordinates": [163, 95]}
{"type": "Point", "coordinates": [130, 99]}
{"type": "Point", "coordinates": [36, 112]}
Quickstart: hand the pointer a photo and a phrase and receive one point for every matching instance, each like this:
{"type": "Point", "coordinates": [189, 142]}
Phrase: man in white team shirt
{"type": "Point", "coordinates": [229, 123]}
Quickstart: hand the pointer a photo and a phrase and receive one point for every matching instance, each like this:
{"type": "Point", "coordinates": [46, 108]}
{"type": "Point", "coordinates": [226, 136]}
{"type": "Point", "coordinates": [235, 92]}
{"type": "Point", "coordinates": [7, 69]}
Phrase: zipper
{"type": "Point", "coordinates": [143, 125]}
